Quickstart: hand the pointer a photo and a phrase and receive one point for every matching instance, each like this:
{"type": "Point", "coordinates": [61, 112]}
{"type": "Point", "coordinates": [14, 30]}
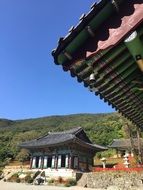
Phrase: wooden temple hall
{"type": "Point", "coordinates": [104, 51]}
{"type": "Point", "coordinates": [62, 153]}
{"type": "Point", "coordinates": [126, 146]}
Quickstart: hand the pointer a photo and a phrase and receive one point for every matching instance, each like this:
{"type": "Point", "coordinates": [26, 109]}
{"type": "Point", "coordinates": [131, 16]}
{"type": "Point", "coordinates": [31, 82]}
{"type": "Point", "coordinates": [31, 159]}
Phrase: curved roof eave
{"type": "Point", "coordinates": [118, 80]}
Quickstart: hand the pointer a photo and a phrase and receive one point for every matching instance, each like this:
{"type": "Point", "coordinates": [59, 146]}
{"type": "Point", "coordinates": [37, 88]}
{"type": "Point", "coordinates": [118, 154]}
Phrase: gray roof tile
{"type": "Point", "coordinates": [60, 138]}
{"type": "Point", "coordinates": [124, 143]}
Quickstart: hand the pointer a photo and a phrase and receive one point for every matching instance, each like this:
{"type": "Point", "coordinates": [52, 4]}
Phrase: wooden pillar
{"type": "Point", "coordinates": [54, 162]}
{"type": "Point", "coordinates": [59, 160]}
{"type": "Point", "coordinates": [67, 161]}
{"type": "Point", "coordinates": [87, 166]}
{"type": "Point", "coordinates": [139, 146]}
{"type": "Point", "coordinates": [40, 162]}
{"type": "Point", "coordinates": [45, 160]}
{"type": "Point", "coordinates": [34, 162]}
{"type": "Point", "coordinates": [70, 162]}
{"type": "Point", "coordinates": [31, 160]}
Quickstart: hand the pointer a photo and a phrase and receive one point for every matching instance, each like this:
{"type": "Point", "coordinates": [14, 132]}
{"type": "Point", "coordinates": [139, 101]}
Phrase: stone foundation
{"type": "Point", "coordinates": [105, 180]}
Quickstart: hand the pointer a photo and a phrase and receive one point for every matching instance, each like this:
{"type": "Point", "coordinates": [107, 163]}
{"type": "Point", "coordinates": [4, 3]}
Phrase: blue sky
{"type": "Point", "coordinates": [31, 84]}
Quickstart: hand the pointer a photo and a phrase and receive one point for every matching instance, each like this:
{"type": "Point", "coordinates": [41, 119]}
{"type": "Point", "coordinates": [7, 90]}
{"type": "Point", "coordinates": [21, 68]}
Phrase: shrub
{"type": "Point", "coordinates": [50, 181]}
{"type": "Point", "coordinates": [60, 179]}
{"type": "Point", "coordinates": [17, 180]}
{"type": "Point", "coordinates": [28, 179]}
{"type": "Point", "coordinates": [108, 153]}
{"type": "Point", "coordinates": [23, 155]}
{"type": "Point", "coordinates": [70, 182]}
{"type": "Point", "coordinates": [14, 178]}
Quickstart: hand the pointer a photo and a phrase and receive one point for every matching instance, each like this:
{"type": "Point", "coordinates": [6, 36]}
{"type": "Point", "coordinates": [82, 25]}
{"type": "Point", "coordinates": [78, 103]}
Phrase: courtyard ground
{"type": "Point", "coordinates": [20, 186]}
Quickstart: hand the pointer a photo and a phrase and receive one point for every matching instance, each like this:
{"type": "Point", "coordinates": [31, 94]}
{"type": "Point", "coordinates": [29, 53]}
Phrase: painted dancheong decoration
{"type": "Point", "coordinates": [62, 153]}
{"type": "Point", "coordinates": [105, 52]}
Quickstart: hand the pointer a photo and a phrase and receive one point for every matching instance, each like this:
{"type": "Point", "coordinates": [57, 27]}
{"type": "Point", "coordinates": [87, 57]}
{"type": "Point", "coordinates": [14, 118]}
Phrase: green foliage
{"type": "Point", "coordinates": [101, 129]}
{"type": "Point", "coordinates": [28, 178]}
{"type": "Point", "coordinates": [17, 180]}
{"type": "Point", "coordinates": [106, 154]}
{"type": "Point", "coordinates": [14, 178]}
{"type": "Point", "coordinates": [50, 181]}
{"type": "Point", "coordinates": [23, 155]}
{"type": "Point", "coordinates": [70, 182]}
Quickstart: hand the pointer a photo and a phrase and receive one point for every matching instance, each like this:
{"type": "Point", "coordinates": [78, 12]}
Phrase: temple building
{"type": "Point", "coordinates": [62, 153]}
{"type": "Point", "coordinates": [104, 51]}
{"type": "Point", "coordinates": [127, 146]}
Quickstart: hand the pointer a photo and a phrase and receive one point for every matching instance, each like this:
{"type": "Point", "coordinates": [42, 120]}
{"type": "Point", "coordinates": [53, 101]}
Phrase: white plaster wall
{"type": "Point", "coordinates": [55, 173]}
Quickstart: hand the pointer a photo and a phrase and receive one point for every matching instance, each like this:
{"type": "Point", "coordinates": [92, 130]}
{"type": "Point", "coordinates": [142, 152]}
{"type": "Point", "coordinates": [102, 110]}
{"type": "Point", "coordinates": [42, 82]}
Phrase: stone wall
{"type": "Point", "coordinates": [105, 180]}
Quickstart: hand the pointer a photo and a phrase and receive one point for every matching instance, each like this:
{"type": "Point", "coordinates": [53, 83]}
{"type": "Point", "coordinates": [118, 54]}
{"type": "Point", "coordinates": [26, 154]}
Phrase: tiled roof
{"type": "Point", "coordinates": [124, 143]}
{"type": "Point", "coordinates": [71, 131]}
{"type": "Point", "coordinates": [98, 45]}
{"type": "Point", "coordinates": [75, 30]}
{"type": "Point", "coordinates": [49, 140]}
{"type": "Point", "coordinates": [60, 138]}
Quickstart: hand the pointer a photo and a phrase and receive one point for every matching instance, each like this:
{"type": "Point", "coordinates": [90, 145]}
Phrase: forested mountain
{"type": "Point", "coordinates": [101, 129]}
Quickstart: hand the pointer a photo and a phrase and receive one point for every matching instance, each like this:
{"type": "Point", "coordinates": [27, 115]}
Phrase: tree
{"type": "Point", "coordinates": [23, 155]}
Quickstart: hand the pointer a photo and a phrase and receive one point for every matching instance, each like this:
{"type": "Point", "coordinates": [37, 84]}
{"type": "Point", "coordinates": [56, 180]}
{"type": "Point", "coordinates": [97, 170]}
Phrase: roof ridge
{"type": "Point", "coordinates": [69, 131]}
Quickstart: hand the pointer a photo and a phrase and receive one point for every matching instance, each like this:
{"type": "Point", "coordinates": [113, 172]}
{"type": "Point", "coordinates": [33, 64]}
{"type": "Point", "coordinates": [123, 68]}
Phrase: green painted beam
{"type": "Point", "coordinates": [120, 67]}
{"type": "Point", "coordinates": [134, 45]}
{"type": "Point", "coordinates": [114, 65]}
{"type": "Point", "coordinates": [124, 85]}
{"type": "Point", "coordinates": [114, 82]}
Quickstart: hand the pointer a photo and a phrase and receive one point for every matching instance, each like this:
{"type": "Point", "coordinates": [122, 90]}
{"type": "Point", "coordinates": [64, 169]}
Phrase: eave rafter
{"type": "Point", "coordinates": [116, 69]}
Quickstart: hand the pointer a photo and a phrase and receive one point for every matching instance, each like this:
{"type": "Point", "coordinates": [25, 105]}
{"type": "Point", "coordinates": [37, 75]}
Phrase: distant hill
{"type": "Point", "coordinates": [5, 123]}
{"type": "Point", "coordinates": [101, 129]}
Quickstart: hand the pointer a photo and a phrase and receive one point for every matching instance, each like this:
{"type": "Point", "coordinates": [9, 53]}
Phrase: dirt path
{"type": "Point", "coordinates": [20, 186]}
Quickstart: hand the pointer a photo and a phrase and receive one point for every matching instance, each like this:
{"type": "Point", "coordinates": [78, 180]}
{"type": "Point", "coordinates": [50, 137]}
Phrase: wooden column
{"type": "Point", "coordinates": [70, 162]}
{"type": "Point", "coordinates": [34, 162]}
{"type": "Point", "coordinates": [67, 161]}
{"type": "Point", "coordinates": [45, 160]}
{"type": "Point", "coordinates": [31, 160]}
{"type": "Point", "coordinates": [54, 162]}
{"type": "Point", "coordinates": [59, 159]}
{"type": "Point", "coordinates": [139, 146]}
{"type": "Point", "coordinates": [40, 162]}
